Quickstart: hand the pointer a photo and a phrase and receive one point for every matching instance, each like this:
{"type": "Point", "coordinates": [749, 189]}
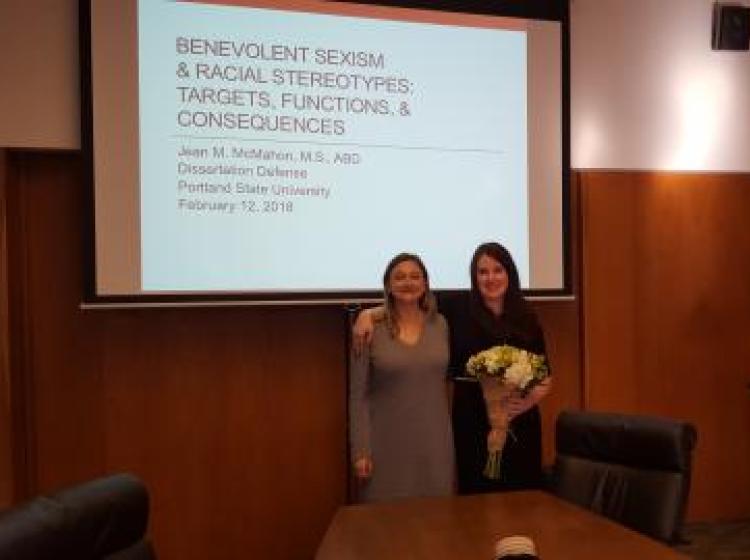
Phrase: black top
{"type": "Point", "coordinates": [470, 332]}
{"type": "Point", "coordinates": [468, 336]}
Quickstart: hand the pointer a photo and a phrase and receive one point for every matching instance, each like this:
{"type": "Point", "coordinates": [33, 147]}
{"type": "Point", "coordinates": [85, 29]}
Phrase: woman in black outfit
{"type": "Point", "coordinates": [493, 313]}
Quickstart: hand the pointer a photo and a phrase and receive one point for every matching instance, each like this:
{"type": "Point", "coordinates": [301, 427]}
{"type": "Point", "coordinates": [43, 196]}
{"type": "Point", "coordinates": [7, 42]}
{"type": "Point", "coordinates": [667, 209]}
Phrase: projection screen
{"type": "Point", "coordinates": [286, 151]}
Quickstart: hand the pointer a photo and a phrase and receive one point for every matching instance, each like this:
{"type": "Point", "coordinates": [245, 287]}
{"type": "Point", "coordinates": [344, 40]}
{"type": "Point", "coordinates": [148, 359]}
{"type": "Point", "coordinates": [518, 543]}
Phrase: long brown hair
{"type": "Point", "coordinates": [516, 309]}
{"type": "Point", "coordinates": [426, 302]}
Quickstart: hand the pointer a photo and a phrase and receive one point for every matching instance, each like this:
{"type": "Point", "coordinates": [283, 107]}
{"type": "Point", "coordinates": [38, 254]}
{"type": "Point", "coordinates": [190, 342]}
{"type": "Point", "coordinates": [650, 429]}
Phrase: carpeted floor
{"type": "Point", "coordinates": [718, 541]}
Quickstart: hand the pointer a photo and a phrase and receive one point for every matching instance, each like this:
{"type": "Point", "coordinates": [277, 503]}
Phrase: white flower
{"type": "Point", "coordinates": [493, 363]}
{"type": "Point", "coordinates": [516, 367]}
{"type": "Point", "coordinates": [520, 373]}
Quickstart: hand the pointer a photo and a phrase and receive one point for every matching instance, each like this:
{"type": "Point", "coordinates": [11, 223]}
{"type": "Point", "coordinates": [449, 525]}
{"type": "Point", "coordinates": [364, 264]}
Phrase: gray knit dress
{"type": "Point", "coordinates": [399, 414]}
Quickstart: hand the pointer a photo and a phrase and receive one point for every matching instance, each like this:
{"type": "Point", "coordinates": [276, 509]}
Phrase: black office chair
{"type": "Point", "coordinates": [632, 469]}
{"type": "Point", "coordinates": [104, 519]}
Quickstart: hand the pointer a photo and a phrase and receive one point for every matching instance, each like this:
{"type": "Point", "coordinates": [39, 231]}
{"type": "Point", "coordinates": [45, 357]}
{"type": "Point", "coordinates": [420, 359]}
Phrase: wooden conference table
{"type": "Point", "coordinates": [466, 527]}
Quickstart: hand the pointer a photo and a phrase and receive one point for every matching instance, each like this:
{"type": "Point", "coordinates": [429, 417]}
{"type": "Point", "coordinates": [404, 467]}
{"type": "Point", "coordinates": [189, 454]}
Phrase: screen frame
{"type": "Point", "coordinates": [544, 10]}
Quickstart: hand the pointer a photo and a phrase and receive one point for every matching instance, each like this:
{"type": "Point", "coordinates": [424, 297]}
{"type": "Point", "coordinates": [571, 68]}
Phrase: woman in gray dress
{"type": "Point", "coordinates": [401, 439]}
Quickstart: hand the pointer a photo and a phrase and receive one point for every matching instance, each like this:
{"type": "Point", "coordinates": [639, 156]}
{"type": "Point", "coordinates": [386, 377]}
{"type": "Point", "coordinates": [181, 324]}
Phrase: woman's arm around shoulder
{"type": "Point", "coordinates": [364, 326]}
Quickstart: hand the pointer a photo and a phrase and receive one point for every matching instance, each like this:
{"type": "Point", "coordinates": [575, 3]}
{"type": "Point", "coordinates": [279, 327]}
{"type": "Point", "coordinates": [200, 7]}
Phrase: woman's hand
{"type": "Point", "coordinates": [363, 468]}
{"type": "Point", "coordinates": [362, 331]}
{"type": "Point", "coordinates": [517, 405]}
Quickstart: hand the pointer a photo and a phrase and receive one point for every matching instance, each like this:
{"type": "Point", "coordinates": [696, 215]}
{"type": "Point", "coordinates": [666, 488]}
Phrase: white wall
{"type": "Point", "coordinates": [647, 91]}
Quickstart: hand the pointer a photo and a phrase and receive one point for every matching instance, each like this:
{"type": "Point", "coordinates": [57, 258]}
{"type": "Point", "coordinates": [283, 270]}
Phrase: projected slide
{"type": "Point", "coordinates": [293, 151]}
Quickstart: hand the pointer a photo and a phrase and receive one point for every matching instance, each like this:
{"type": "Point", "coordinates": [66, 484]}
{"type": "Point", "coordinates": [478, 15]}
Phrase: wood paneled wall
{"type": "Point", "coordinates": [560, 320]}
{"type": "Point", "coordinates": [6, 420]}
{"type": "Point", "coordinates": [234, 417]}
{"type": "Point", "coordinates": [666, 303]}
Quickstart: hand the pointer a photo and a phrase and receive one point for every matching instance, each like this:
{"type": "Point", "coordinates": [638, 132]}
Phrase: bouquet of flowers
{"type": "Point", "coordinates": [502, 371]}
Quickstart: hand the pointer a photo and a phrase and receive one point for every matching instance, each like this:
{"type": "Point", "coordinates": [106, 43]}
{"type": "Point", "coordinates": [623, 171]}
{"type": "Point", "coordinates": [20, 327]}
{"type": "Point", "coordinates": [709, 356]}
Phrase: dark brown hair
{"type": "Point", "coordinates": [516, 310]}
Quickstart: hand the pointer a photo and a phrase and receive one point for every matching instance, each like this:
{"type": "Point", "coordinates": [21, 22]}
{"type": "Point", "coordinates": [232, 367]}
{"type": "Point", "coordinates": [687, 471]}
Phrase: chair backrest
{"type": "Point", "coordinates": [104, 519]}
{"type": "Point", "coordinates": [632, 469]}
